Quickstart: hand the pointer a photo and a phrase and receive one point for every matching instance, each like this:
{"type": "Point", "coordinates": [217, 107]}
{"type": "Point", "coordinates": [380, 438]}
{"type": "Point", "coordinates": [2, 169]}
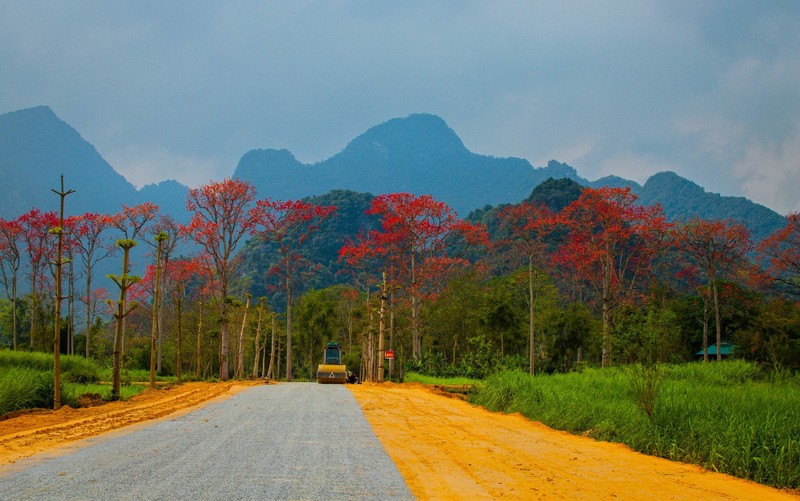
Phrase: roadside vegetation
{"type": "Point", "coordinates": [27, 382]}
{"type": "Point", "coordinates": [731, 417]}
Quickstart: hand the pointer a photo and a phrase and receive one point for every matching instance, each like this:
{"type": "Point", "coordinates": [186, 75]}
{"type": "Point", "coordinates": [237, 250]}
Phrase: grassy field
{"type": "Point", "coordinates": [26, 381]}
{"type": "Point", "coordinates": [729, 417]}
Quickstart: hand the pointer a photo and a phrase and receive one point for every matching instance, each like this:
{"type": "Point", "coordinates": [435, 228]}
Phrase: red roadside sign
{"type": "Point", "coordinates": [388, 354]}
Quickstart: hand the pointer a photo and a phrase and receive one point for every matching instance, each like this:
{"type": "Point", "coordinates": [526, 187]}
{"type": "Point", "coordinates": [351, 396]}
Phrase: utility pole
{"type": "Point", "coordinates": [57, 329]}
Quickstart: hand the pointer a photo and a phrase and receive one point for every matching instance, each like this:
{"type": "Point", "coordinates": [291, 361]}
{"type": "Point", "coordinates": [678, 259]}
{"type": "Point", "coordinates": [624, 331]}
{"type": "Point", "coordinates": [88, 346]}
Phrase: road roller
{"type": "Point", "coordinates": [332, 370]}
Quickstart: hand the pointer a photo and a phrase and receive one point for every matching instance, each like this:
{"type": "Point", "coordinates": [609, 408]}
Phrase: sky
{"type": "Point", "coordinates": [182, 89]}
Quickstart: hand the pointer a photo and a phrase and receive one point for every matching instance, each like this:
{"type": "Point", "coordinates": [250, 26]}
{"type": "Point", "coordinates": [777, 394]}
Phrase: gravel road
{"type": "Point", "coordinates": [286, 441]}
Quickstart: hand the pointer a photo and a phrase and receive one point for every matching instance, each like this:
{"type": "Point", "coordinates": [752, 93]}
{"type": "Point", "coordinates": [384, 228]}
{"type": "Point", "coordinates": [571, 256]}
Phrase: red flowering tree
{"type": "Point", "coordinates": [718, 248]}
{"type": "Point", "coordinates": [92, 245]}
{"type": "Point", "coordinates": [40, 250]}
{"type": "Point", "coordinates": [288, 224]}
{"type": "Point", "coordinates": [178, 274]}
{"type": "Point", "coordinates": [414, 246]}
{"type": "Point", "coordinates": [221, 217]}
{"type": "Point", "coordinates": [11, 248]}
{"type": "Point", "coordinates": [610, 245]}
{"type": "Point", "coordinates": [782, 253]}
{"type": "Point", "coordinates": [133, 220]}
{"type": "Point", "coordinates": [529, 225]}
{"type": "Point", "coordinates": [164, 225]}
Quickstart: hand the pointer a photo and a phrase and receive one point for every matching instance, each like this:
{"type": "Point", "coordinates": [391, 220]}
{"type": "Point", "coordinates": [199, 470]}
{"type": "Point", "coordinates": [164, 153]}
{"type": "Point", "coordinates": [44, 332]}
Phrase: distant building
{"type": "Point", "coordinates": [726, 349]}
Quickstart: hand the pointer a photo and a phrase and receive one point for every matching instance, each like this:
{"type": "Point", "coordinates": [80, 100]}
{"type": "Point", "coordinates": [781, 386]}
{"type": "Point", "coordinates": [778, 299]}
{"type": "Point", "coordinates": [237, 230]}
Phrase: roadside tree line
{"type": "Point", "coordinates": [603, 280]}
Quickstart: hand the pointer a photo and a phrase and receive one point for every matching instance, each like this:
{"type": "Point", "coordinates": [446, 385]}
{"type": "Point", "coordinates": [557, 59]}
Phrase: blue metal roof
{"type": "Point", "coordinates": [725, 349]}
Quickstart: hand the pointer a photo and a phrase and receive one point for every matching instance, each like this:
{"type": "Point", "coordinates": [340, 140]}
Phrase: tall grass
{"type": "Point", "coordinates": [73, 368]}
{"type": "Point", "coordinates": [24, 388]}
{"type": "Point", "coordinates": [728, 417]}
{"type": "Point", "coordinates": [27, 382]}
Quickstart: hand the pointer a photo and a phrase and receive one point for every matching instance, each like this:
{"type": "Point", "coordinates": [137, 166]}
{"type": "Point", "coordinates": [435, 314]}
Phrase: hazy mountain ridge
{"type": "Point", "coordinates": [419, 154]}
{"type": "Point", "coordinates": [36, 147]}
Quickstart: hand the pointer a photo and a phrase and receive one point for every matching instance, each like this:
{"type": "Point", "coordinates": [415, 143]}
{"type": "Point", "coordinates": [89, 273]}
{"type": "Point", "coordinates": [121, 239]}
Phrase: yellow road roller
{"type": "Point", "coordinates": [331, 370]}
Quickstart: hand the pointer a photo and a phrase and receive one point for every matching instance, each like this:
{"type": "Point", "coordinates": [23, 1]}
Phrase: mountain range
{"type": "Point", "coordinates": [418, 154]}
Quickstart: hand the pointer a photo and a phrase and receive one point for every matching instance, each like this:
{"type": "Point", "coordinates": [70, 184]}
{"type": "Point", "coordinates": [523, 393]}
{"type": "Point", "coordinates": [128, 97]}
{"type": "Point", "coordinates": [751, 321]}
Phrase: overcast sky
{"type": "Point", "coordinates": [181, 90]}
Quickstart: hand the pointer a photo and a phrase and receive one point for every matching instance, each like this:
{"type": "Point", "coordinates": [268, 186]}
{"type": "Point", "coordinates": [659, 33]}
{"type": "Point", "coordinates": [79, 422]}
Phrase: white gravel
{"type": "Point", "coordinates": [286, 441]}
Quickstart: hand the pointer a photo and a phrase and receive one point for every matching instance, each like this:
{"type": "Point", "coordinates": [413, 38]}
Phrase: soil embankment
{"type": "Point", "coordinates": [32, 432]}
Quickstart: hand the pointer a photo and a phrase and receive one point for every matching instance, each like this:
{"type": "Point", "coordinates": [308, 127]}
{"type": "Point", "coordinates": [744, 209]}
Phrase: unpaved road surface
{"type": "Point", "coordinates": [443, 448]}
{"type": "Point", "coordinates": [447, 449]}
{"type": "Point", "coordinates": [288, 441]}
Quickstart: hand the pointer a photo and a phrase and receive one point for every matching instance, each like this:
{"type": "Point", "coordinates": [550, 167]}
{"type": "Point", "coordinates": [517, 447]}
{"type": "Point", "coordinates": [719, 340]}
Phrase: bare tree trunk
{"type": "Point", "coordinates": [240, 354]}
{"type": "Point", "coordinates": [179, 307]}
{"type": "Point", "coordinates": [224, 374]}
{"type": "Point", "coordinates": [416, 341]}
{"type": "Point", "coordinates": [717, 320]}
{"type": "Point", "coordinates": [705, 326]}
{"type": "Point", "coordinates": [606, 314]}
{"type": "Point", "coordinates": [257, 355]}
{"type": "Point", "coordinates": [382, 330]}
{"type": "Point", "coordinates": [88, 309]}
{"type": "Point", "coordinates": [199, 334]}
{"type": "Point", "coordinates": [154, 329]}
{"type": "Point", "coordinates": [14, 305]}
{"type": "Point", "coordinates": [58, 298]}
{"type": "Point", "coordinates": [71, 303]}
{"type": "Point", "coordinates": [271, 371]}
{"type": "Point", "coordinates": [123, 281]}
{"type": "Point", "coordinates": [532, 323]}
{"type": "Point", "coordinates": [278, 365]}
{"type": "Point", "coordinates": [391, 334]}
{"type": "Point", "coordinates": [288, 330]}
{"type": "Point", "coordinates": [160, 340]}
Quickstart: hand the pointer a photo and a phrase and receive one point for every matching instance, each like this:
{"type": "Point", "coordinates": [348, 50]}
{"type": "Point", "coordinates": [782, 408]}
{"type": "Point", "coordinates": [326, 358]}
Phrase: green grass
{"type": "Point", "coordinates": [131, 376]}
{"type": "Point", "coordinates": [26, 381]}
{"type": "Point", "coordinates": [73, 367]}
{"type": "Point", "coordinates": [727, 417]}
{"type": "Point", "coordinates": [24, 388]}
{"type": "Point", "coordinates": [413, 377]}
{"type": "Point", "coordinates": [104, 390]}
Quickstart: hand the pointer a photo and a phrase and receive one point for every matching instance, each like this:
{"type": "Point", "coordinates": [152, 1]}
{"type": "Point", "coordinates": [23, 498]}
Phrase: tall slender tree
{"type": "Point", "coordinates": [39, 251]}
{"type": "Point", "coordinates": [160, 238]}
{"type": "Point", "coordinates": [239, 373]}
{"type": "Point", "coordinates": [288, 224]}
{"type": "Point", "coordinates": [167, 225]}
{"type": "Point", "coordinates": [221, 217]}
{"type": "Point", "coordinates": [91, 246]}
{"type": "Point", "coordinates": [124, 281]}
{"type": "Point", "coordinates": [717, 247]}
{"type": "Point", "coordinates": [10, 262]}
{"type": "Point", "coordinates": [528, 226]}
{"type": "Point", "coordinates": [177, 276]}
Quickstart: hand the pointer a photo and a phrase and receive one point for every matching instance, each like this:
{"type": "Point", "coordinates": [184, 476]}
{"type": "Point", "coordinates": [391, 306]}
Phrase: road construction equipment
{"type": "Point", "coordinates": [332, 370]}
